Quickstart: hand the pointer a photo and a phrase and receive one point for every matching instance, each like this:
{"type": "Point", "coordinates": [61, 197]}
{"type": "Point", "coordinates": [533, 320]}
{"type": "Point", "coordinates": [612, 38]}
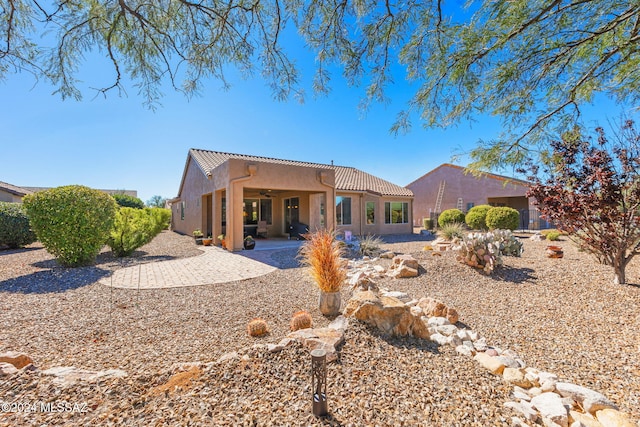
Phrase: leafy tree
{"type": "Point", "coordinates": [531, 62]}
{"type": "Point", "coordinates": [592, 191]}
{"type": "Point", "coordinates": [156, 201]}
{"type": "Point", "coordinates": [128, 201]}
{"type": "Point", "coordinates": [72, 222]}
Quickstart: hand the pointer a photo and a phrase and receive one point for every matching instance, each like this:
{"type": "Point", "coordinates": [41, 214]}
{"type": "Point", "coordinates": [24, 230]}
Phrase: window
{"type": "Point", "coordinates": [255, 210]}
{"type": "Point", "coordinates": [371, 212]}
{"type": "Point", "coordinates": [343, 210]}
{"type": "Point", "coordinates": [470, 205]}
{"type": "Point", "coordinates": [396, 212]}
{"type": "Point", "coordinates": [182, 210]}
{"type": "Point", "coordinates": [223, 211]}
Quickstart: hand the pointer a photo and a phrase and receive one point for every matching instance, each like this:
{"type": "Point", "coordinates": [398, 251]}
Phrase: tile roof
{"type": "Point", "coordinates": [347, 178]}
{"type": "Point", "coordinates": [14, 189]}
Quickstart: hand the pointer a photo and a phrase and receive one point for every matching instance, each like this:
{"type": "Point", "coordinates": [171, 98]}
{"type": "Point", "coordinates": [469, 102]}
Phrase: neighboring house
{"type": "Point", "coordinates": [12, 193]}
{"type": "Point", "coordinates": [233, 194]}
{"type": "Point", "coordinates": [449, 186]}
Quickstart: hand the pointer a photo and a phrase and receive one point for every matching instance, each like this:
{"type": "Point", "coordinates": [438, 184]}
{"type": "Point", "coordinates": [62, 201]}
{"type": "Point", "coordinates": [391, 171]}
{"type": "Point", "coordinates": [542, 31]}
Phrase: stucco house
{"type": "Point", "coordinates": [238, 194]}
{"type": "Point", "coordinates": [449, 186]}
{"type": "Point", "coordinates": [12, 193]}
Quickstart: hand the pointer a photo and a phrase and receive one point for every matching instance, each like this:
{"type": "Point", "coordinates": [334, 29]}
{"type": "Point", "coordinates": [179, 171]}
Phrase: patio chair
{"type": "Point", "coordinates": [262, 229]}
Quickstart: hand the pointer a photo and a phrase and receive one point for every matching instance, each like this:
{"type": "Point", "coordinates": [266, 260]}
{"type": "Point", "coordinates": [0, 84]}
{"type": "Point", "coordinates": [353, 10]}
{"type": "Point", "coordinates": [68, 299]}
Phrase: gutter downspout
{"type": "Point", "coordinates": [252, 169]}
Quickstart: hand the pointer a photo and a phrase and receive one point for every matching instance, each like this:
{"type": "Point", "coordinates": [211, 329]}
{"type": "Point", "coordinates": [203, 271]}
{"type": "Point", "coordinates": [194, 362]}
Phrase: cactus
{"type": "Point", "coordinates": [301, 320]}
{"type": "Point", "coordinates": [510, 245]}
{"type": "Point", "coordinates": [257, 327]}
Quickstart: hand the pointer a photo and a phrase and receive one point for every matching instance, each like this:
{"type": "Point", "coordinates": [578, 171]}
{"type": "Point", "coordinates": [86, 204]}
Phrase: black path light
{"type": "Point", "coordinates": [319, 382]}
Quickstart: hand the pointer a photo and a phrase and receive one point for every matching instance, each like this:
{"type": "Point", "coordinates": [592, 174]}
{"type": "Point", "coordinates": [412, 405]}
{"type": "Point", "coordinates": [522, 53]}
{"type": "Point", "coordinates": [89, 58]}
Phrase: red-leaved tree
{"type": "Point", "coordinates": [592, 191]}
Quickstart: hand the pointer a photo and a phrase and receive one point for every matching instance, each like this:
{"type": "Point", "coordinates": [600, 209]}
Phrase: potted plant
{"type": "Point", "coordinates": [208, 241]}
{"type": "Point", "coordinates": [197, 235]}
{"type": "Point", "coordinates": [222, 242]}
{"type": "Point", "coordinates": [249, 243]}
{"type": "Point", "coordinates": [322, 254]}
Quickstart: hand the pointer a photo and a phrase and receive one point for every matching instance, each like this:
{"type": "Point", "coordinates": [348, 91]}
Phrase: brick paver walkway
{"type": "Point", "coordinates": [215, 265]}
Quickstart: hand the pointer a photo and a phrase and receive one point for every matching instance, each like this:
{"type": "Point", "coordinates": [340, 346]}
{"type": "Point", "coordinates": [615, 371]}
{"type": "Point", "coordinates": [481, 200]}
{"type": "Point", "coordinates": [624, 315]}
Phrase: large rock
{"type": "Point", "coordinates": [584, 419]}
{"type": "Point", "coordinates": [434, 308]}
{"type": "Point", "coordinates": [516, 377]}
{"type": "Point", "coordinates": [19, 360]}
{"type": "Point", "coordinates": [7, 369]}
{"type": "Point", "coordinates": [66, 375]}
{"type": "Point", "coordinates": [490, 363]}
{"type": "Point", "coordinates": [525, 409]}
{"type": "Point", "coordinates": [327, 339]}
{"type": "Point", "coordinates": [590, 400]}
{"type": "Point", "coordinates": [613, 418]}
{"type": "Point", "coordinates": [551, 407]}
{"type": "Point", "coordinates": [388, 314]}
{"type": "Point", "coordinates": [403, 266]}
{"type": "Point", "coordinates": [404, 259]}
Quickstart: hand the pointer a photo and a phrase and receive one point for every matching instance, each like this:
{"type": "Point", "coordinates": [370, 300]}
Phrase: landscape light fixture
{"type": "Point", "coordinates": [319, 382]}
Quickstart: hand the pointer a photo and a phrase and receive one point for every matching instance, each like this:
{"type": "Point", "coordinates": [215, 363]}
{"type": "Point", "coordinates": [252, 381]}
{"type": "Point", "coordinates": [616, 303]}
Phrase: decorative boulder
{"type": "Point", "coordinates": [388, 314]}
{"type": "Point", "coordinates": [19, 360]}
{"type": "Point", "coordinates": [434, 308]}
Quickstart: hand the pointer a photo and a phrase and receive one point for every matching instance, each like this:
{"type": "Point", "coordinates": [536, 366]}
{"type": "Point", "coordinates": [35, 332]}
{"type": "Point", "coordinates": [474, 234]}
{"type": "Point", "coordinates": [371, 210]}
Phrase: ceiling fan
{"type": "Point", "coordinates": [265, 194]}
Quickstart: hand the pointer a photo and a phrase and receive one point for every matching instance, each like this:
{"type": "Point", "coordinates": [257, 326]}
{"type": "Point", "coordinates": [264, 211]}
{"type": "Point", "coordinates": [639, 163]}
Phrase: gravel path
{"type": "Point", "coordinates": [560, 315]}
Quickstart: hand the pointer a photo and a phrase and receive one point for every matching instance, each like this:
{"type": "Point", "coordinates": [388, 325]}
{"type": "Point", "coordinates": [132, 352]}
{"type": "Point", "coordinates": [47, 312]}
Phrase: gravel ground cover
{"type": "Point", "coordinates": [560, 315]}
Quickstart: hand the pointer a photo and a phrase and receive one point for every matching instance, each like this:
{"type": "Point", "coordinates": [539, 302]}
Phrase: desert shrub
{"type": "Point", "coordinates": [477, 216]}
{"type": "Point", "coordinates": [128, 201]}
{"type": "Point", "coordinates": [427, 223]}
{"type": "Point", "coordinates": [322, 254]}
{"type": "Point", "coordinates": [72, 222]}
{"type": "Point", "coordinates": [503, 218]}
{"type": "Point", "coordinates": [300, 320]}
{"type": "Point", "coordinates": [15, 230]}
{"type": "Point", "coordinates": [452, 230]}
{"type": "Point", "coordinates": [553, 236]}
{"type": "Point", "coordinates": [133, 228]}
{"type": "Point", "coordinates": [257, 327]}
{"type": "Point", "coordinates": [450, 215]}
{"type": "Point", "coordinates": [510, 245]}
{"type": "Point", "coordinates": [162, 218]}
{"type": "Point", "coordinates": [370, 245]}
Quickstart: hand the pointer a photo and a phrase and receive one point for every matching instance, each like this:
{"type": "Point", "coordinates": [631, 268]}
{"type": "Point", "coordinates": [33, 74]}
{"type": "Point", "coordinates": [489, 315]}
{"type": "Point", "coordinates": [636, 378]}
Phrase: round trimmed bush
{"type": "Point", "coordinates": [503, 218]}
{"type": "Point", "coordinates": [477, 216]}
{"type": "Point", "coordinates": [15, 230]}
{"type": "Point", "coordinates": [450, 216]}
{"type": "Point", "coordinates": [127, 201]}
{"type": "Point", "coordinates": [72, 222]}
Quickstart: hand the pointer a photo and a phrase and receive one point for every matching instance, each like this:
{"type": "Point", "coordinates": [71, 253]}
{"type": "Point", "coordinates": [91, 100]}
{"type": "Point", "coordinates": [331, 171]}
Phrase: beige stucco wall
{"type": "Point", "coordinates": [8, 197]}
{"type": "Point", "coordinates": [238, 179]}
{"type": "Point", "coordinates": [476, 190]}
{"type": "Point", "coordinates": [359, 224]}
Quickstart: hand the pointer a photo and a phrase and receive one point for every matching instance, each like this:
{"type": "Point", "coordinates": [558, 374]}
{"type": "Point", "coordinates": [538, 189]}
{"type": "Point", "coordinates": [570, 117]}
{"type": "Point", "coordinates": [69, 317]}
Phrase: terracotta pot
{"type": "Point", "coordinates": [554, 252]}
{"type": "Point", "coordinates": [330, 303]}
{"type": "Point", "coordinates": [207, 242]}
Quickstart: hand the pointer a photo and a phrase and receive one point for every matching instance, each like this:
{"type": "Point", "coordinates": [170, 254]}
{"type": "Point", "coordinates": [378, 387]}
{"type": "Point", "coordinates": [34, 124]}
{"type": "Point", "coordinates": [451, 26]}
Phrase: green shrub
{"type": "Point", "coordinates": [427, 223]}
{"type": "Point", "coordinates": [127, 201]}
{"type": "Point", "coordinates": [553, 235]}
{"type": "Point", "coordinates": [72, 222]}
{"type": "Point", "coordinates": [477, 216]}
{"type": "Point", "coordinates": [15, 230]}
{"type": "Point", "coordinates": [450, 215]}
{"type": "Point", "coordinates": [503, 218]}
{"type": "Point", "coordinates": [132, 228]}
{"type": "Point", "coordinates": [162, 218]}
{"type": "Point", "coordinates": [451, 231]}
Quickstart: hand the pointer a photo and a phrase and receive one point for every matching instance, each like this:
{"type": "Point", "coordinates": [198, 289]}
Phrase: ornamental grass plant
{"type": "Point", "coordinates": [322, 254]}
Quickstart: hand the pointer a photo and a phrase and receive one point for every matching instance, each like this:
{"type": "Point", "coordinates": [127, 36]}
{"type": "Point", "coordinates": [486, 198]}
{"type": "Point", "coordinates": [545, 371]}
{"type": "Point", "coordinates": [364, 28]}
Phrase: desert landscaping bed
{"type": "Point", "coordinates": [561, 315]}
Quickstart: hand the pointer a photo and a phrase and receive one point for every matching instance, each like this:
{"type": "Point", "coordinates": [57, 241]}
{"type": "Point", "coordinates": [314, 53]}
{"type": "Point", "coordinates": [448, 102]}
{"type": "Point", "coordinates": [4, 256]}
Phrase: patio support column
{"type": "Point", "coordinates": [235, 198]}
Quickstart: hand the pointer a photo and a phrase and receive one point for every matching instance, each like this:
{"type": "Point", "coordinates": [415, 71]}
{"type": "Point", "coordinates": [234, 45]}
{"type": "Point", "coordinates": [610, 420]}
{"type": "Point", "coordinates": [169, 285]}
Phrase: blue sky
{"type": "Point", "coordinates": [118, 143]}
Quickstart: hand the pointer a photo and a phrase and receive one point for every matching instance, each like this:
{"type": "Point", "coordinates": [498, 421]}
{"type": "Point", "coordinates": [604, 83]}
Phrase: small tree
{"type": "Point", "coordinates": [128, 201]}
{"type": "Point", "coordinates": [156, 201]}
{"type": "Point", "coordinates": [592, 191]}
